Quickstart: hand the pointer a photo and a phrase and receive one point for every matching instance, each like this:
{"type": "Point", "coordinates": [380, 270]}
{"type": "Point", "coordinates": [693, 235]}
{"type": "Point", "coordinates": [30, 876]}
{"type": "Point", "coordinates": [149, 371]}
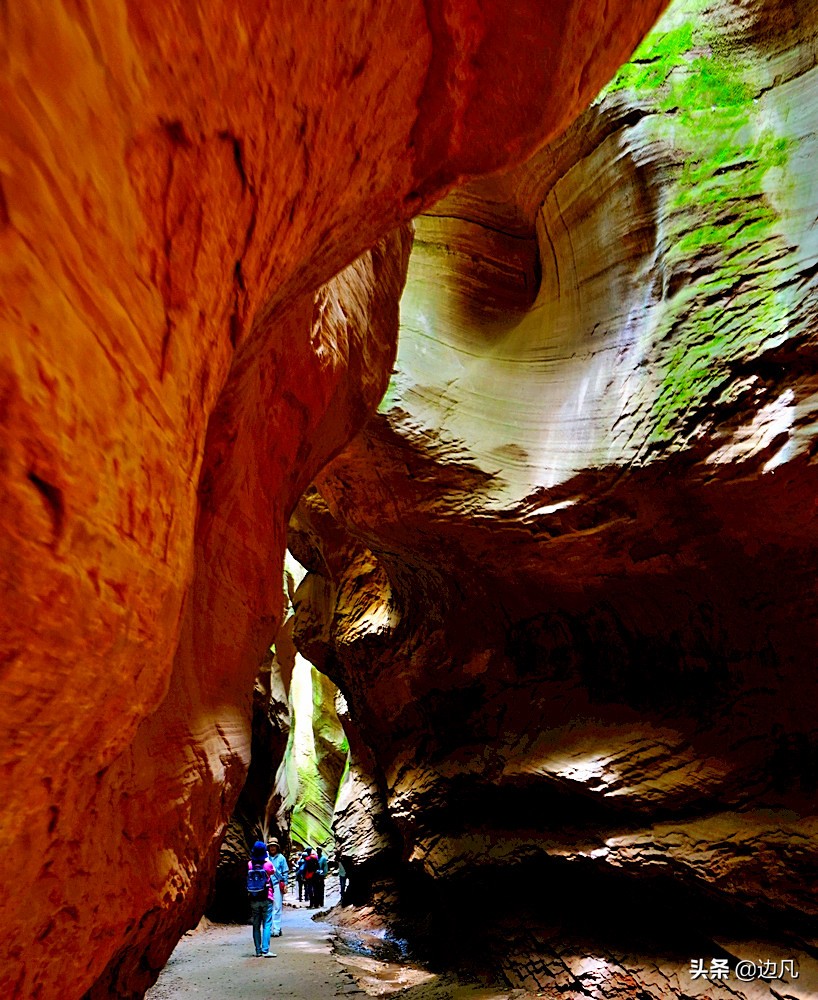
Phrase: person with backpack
{"type": "Point", "coordinates": [281, 873]}
{"type": "Point", "coordinates": [260, 873]}
{"type": "Point", "coordinates": [310, 868]}
{"type": "Point", "coordinates": [299, 874]}
{"type": "Point", "coordinates": [320, 877]}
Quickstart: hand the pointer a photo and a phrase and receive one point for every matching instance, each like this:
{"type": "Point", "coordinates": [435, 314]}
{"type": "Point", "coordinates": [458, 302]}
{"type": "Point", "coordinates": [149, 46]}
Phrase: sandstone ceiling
{"type": "Point", "coordinates": [566, 576]}
{"type": "Point", "coordinates": [178, 184]}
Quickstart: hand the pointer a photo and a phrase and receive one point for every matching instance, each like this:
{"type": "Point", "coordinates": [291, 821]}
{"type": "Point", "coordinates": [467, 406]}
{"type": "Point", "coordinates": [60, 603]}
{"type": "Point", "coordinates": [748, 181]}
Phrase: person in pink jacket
{"type": "Point", "coordinates": [260, 875]}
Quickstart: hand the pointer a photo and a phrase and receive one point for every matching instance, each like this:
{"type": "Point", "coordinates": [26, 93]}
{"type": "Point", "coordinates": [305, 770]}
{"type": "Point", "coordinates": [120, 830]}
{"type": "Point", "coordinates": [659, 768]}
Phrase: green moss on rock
{"type": "Point", "coordinates": [718, 217]}
{"type": "Point", "coordinates": [315, 757]}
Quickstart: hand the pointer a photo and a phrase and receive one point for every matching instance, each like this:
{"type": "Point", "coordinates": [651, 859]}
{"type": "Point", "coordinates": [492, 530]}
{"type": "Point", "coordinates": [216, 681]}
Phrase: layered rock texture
{"type": "Point", "coordinates": [177, 186]}
{"type": "Point", "coordinates": [566, 577]}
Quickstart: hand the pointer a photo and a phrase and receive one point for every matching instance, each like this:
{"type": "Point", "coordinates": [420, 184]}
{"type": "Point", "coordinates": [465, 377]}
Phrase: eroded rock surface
{"type": "Point", "coordinates": [569, 588]}
{"type": "Point", "coordinates": [176, 183]}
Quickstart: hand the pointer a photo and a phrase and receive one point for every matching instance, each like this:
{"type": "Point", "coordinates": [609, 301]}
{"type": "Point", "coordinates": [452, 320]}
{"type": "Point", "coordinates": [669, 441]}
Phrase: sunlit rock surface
{"type": "Point", "coordinates": [571, 592]}
{"type": "Point", "coordinates": [324, 623]}
{"type": "Point", "coordinates": [315, 759]}
{"type": "Point", "coordinates": [175, 184]}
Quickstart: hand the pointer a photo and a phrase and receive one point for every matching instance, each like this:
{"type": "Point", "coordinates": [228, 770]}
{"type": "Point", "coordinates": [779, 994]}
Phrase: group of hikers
{"type": "Point", "coordinates": [267, 878]}
{"type": "Point", "coordinates": [311, 870]}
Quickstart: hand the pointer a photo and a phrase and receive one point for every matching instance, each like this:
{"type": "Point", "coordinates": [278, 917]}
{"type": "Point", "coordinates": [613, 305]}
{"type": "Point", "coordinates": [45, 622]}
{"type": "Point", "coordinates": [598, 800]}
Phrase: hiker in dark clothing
{"type": "Point", "coordinates": [310, 868]}
{"type": "Point", "coordinates": [320, 879]}
{"type": "Point", "coordinates": [299, 873]}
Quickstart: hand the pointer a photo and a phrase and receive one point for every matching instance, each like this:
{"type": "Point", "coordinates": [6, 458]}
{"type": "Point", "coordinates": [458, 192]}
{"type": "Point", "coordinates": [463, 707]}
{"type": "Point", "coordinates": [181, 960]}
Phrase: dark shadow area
{"type": "Point", "coordinates": [472, 923]}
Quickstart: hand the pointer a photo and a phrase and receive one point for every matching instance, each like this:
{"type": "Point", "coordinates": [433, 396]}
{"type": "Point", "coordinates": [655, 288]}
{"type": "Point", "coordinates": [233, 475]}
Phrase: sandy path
{"type": "Point", "coordinates": [219, 961]}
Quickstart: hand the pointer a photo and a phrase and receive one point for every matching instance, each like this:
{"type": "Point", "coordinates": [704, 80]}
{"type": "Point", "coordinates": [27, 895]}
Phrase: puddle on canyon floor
{"type": "Point", "coordinates": [372, 942]}
{"type": "Point", "coordinates": [380, 966]}
{"type": "Point", "coordinates": [378, 963]}
{"type": "Point", "coordinates": [381, 979]}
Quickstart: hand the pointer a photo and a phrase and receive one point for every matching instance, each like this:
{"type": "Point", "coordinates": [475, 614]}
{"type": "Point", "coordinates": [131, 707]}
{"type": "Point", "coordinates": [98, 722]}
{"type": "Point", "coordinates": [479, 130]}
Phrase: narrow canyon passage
{"type": "Point", "coordinates": [409, 449]}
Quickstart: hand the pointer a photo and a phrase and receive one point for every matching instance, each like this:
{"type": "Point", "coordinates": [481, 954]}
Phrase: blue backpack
{"type": "Point", "coordinates": [258, 881]}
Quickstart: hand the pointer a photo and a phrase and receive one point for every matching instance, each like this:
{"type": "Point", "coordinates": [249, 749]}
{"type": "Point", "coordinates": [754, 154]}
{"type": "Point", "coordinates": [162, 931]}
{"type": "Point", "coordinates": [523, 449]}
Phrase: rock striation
{"type": "Point", "coordinates": [566, 575]}
{"type": "Point", "coordinates": [177, 187]}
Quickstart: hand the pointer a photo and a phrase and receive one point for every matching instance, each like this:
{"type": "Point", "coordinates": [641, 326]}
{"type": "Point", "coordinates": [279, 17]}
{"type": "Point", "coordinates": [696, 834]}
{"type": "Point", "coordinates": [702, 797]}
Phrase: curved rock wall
{"type": "Point", "coordinates": [343, 606]}
{"type": "Point", "coordinates": [176, 182]}
{"type": "Point", "coordinates": [572, 601]}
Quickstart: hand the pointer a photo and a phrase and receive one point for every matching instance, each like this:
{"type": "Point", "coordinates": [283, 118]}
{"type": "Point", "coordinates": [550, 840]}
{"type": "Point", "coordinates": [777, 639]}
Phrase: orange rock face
{"type": "Point", "coordinates": [175, 183]}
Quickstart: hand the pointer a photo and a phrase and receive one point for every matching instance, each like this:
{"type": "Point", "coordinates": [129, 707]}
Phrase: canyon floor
{"type": "Point", "coordinates": [217, 960]}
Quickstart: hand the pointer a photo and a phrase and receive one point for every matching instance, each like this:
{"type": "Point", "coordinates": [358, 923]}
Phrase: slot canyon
{"type": "Point", "coordinates": [440, 377]}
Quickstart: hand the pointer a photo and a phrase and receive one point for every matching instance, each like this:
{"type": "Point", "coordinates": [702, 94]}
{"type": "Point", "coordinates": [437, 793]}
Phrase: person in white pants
{"type": "Point", "coordinates": [279, 880]}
